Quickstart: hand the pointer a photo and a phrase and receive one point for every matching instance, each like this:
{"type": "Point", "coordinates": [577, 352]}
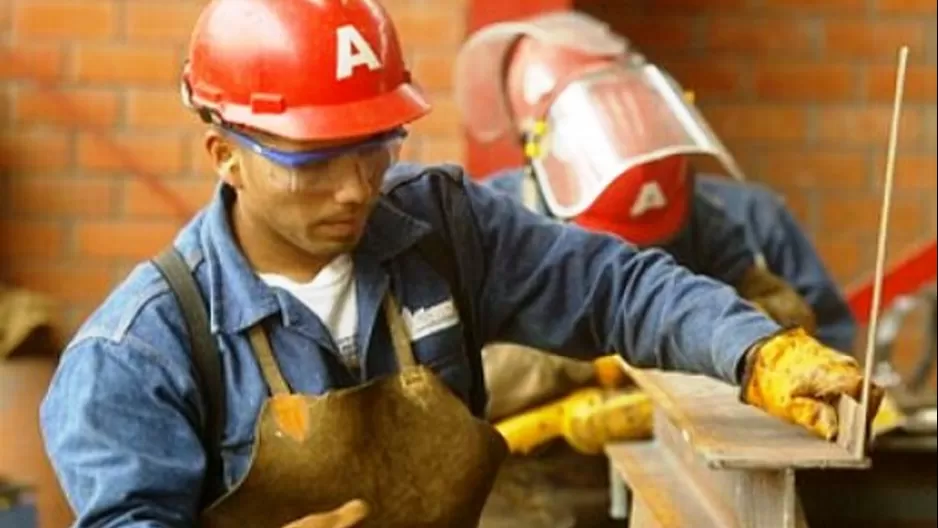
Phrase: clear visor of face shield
{"type": "Point", "coordinates": [309, 169]}
{"type": "Point", "coordinates": [609, 121]}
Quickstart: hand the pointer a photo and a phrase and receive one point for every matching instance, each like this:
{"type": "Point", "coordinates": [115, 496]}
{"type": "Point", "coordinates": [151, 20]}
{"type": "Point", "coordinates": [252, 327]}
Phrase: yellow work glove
{"type": "Point", "coordinates": [794, 377]}
{"type": "Point", "coordinates": [776, 298]}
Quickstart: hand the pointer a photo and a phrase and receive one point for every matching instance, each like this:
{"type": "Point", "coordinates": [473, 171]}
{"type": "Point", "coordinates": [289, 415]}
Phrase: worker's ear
{"type": "Point", "coordinates": [225, 158]}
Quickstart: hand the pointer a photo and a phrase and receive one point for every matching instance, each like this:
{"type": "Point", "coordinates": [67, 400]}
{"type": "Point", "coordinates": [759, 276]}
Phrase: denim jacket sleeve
{"type": "Point", "coordinates": [791, 255]}
{"type": "Point", "coordinates": [725, 252]}
{"type": "Point", "coordinates": [560, 288]}
{"type": "Point", "coordinates": [121, 423]}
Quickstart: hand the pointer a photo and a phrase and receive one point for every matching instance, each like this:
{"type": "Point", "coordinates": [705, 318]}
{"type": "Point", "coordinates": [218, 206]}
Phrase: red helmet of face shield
{"type": "Point", "coordinates": [646, 206]}
{"type": "Point", "coordinates": [302, 70]}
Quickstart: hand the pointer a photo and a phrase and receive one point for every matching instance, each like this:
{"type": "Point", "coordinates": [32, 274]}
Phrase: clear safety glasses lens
{"type": "Point", "coordinates": [315, 169]}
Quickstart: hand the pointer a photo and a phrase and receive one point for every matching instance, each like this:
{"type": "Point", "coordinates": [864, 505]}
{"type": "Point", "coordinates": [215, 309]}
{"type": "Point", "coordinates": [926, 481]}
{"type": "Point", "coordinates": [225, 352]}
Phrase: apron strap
{"type": "Point", "coordinates": [266, 360]}
{"type": "Point", "coordinates": [400, 337]}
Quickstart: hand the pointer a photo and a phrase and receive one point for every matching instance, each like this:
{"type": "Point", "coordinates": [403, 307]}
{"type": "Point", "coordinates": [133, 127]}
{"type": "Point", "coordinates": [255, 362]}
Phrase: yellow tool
{"type": "Point", "coordinates": [587, 419]}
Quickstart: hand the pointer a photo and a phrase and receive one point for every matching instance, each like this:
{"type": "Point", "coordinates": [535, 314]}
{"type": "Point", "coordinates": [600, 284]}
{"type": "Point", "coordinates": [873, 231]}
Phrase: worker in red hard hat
{"type": "Point", "coordinates": [610, 140]}
{"type": "Point", "coordinates": [306, 352]}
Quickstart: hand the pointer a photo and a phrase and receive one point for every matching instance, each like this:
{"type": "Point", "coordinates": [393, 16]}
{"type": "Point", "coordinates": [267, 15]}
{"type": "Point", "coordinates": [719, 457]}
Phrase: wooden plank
{"type": "Point", "coordinates": [662, 494]}
{"type": "Point", "coordinates": [766, 498]}
{"type": "Point", "coordinates": [727, 433]}
{"type": "Point", "coordinates": [675, 487]}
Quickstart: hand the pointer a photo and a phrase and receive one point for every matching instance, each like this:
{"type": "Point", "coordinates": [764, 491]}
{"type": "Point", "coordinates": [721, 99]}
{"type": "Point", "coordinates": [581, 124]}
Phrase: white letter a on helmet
{"type": "Point", "coordinates": [352, 50]}
{"type": "Point", "coordinates": [650, 196]}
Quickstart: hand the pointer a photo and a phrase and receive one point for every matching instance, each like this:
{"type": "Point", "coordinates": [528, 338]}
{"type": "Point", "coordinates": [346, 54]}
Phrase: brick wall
{"type": "Point", "coordinates": [801, 91]}
{"type": "Point", "coordinates": [89, 101]}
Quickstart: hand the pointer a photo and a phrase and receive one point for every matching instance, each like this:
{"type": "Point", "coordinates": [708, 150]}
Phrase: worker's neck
{"type": "Point", "coordinates": [269, 253]}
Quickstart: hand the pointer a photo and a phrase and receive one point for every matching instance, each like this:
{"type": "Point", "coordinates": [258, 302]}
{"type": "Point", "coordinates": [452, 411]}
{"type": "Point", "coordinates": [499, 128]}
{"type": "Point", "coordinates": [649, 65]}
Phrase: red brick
{"type": "Point", "coordinates": [657, 32]}
{"type": "Point", "coordinates": [157, 155]}
{"type": "Point", "coordinates": [923, 7]}
{"type": "Point", "coordinates": [140, 200]}
{"type": "Point", "coordinates": [126, 64]}
{"type": "Point", "coordinates": [65, 282]}
{"type": "Point", "coordinates": [443, 120]}
{"type": "Point", "coordinates": [125, 239]}
{"type": "Point", "coordinates": [159, 109]}
{"type": "Point", "coordinates": [841, 6]}
{"type": "Point", "coordinates": [712, 78]}
{"type": "Point", "coordinates": [817, 170]}
{"type": "Point", "coordinates": [86, 107]}
{"type": "Point", "coordinates": [34, 151]}
{"type": "Point", "coordinates": [6, 14]}
{"type": "Point", "coordinates": [859, 214]}
{"type": "Point", "coordinates": [6, 106]}
{"type": "Point", "coordinates": [87, 19]}
{"type": "Point", "coordinates": [931, 129]}
{"type": "Point", "coordinates": [437, 150]}
{"type": "Point", "coordinates": [434, 70]}
{"type": "Point", "coordinates": [61, 196]}
{"type": "Point", "coordinates": [867, 125]}
{"type": "Point", "coordinates": [792, 37]}
{"type": "Point", "coordinates": [879, 39]}
{"type": "Point", "coordinates": [932, 205]}
{"type": "Point", "coordinates": [161, 21]}
{"type": "Point", "coordinates": [805, 82]}
{"type": "Point", "coordinates": [757, 122]}
{"type": "Point", "coordinates": [429, 27]}
{"type": "Point", "coordinates": [842, 256]}
{"type": "Point", "coordinates": [28, 238]}
{"type": "Point", "coordinates": [29, 61]}
{"type": "Point", "coordinates": [912, 172]}
{"type": "Point", "coordinates": [920, 84]}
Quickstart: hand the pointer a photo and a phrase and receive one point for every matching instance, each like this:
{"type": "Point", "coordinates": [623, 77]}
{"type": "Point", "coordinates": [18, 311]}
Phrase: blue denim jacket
{"type": "Point", "coordinates": [734, 225]}
{"type": "Point", "coordinates": [122, 417]}
{"type": "Point", "coordinates": [774, 234]}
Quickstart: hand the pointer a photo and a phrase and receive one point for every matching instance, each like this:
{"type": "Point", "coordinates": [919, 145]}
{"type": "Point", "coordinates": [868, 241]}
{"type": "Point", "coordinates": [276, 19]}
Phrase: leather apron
{"type": "Point", "coordinates": [405, 444]}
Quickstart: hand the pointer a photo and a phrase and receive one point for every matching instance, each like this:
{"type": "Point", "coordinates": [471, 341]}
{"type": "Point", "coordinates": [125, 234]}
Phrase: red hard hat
{"type": "Point", "coordinates": [648, 205]}
{"type": "Point", "coordinates": [299, 69]}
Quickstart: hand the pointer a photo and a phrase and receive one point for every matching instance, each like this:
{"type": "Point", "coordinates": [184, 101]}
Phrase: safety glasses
{"type": "Point", "coordinates": [379, 143]}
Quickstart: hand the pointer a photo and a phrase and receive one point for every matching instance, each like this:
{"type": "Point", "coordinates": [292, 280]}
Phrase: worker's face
{"type": "Point", "coordinates": [316, 196]}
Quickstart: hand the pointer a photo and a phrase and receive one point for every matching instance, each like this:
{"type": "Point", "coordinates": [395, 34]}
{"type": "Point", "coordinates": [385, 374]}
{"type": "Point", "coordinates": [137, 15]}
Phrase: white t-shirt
{"type": "Point", "coordinates": [331, 296]}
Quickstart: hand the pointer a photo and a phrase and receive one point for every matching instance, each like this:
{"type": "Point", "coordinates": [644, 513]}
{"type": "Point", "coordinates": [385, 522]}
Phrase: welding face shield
{"type": "Point", "coordinates": [607, 123]}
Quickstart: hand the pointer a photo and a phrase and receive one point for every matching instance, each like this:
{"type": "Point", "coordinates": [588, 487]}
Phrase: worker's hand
{"type": "Point", "coordinates": [794, 377]}
{"type": "Point", "coordinates": [346, 516]}
{"type": "Point", "coordinates": [776, 298]}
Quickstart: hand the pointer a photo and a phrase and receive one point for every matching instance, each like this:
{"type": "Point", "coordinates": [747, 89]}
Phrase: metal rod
{"type": "Point", "coordinates": [881, 247]}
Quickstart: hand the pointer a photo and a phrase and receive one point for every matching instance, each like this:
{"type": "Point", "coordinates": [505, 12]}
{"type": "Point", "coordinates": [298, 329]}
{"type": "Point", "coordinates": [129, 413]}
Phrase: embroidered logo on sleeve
{"type": "Point", "coordinates": [427, 321]}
